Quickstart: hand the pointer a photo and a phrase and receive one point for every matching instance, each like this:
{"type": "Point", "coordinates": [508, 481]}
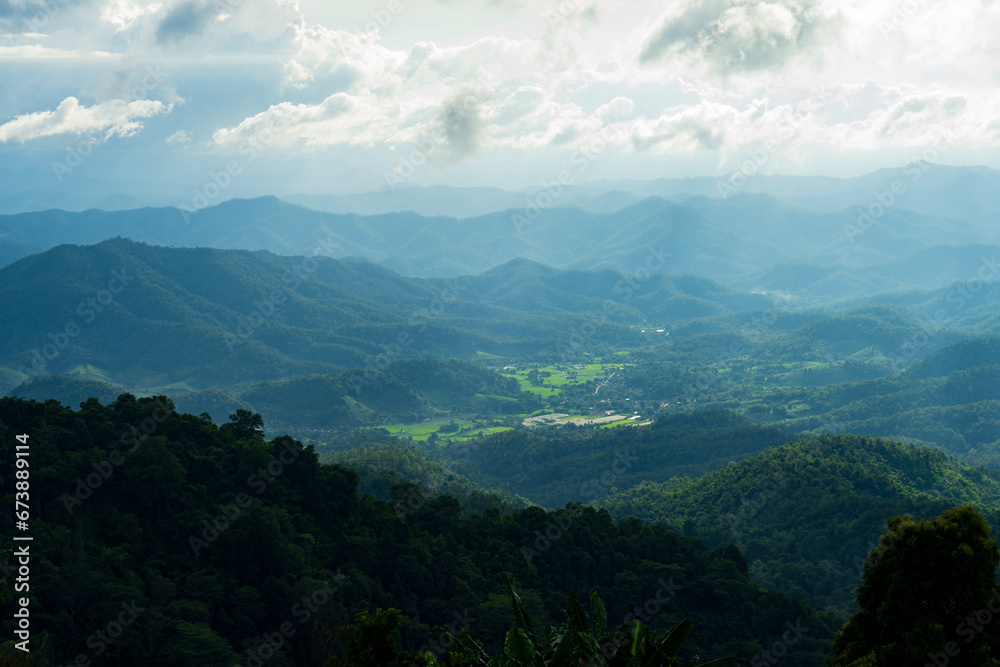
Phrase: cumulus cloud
{"type": "Point", "coordinates": [339, 58]}
{"type": "Point", "coordinates": [738, 36]}
{"type": "Point", "coordinates": [122, 14]}
{"type": "Point", "coordinates": [549, 85]}
{"type": "Point", "coordinates": [620, 107]}
{"type": "Point", "coordinates": [179, 137]}
{"type": "Point", "coordinates": [519, 103]}
{"type": "Point", "coordinates": [70, 117]}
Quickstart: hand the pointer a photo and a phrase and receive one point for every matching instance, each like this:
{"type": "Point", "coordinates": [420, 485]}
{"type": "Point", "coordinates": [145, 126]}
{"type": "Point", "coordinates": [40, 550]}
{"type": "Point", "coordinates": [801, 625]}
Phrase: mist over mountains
{"type": "Point", "coordinates": [809, 240]}
{"type": "Point", "coordinates": [765, 367]}
{"type": "Point", "coordinates": [393, 333]}
{"type": "Point", "coordinates": [655, 350]}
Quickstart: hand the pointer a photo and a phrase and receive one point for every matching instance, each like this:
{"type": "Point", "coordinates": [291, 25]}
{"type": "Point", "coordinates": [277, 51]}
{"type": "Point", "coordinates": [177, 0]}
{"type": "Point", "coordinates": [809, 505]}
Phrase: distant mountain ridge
{"type": "Point", "coordinates": [192, 318]}
{"type": "Point", "coordinates": [750, 242]}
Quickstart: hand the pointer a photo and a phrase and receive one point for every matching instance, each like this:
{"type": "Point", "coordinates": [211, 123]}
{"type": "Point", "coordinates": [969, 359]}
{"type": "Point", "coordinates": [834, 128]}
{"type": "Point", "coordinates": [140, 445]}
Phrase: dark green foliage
{"type": "Point", "coordinates": [69, 391]}
{"type": "Point", "coordinates": [383, 462]}
{"type": "Point", "coordinates": [245, 424]}
{"type": "Point", "coordinates": [806, 515]}
{"type": "Point", "coordinates": [219, 541]}
{"type": "Point", "coordinates": [370, 641]}
{"type": "Point", "coordinates": [567, 464]}
{"type": "Point", "coordinates": [926, 596]}
{"type": "Point", "coordinates": [575, 642]}
{"type": "Point", "coordinates": [404, 391]}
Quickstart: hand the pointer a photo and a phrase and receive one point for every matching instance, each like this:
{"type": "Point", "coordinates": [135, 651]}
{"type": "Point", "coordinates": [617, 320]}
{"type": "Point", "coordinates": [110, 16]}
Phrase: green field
{"type": "Point", "coordinates": [555, 377]}
{"type": "Point", "coordinates": [423, 430]}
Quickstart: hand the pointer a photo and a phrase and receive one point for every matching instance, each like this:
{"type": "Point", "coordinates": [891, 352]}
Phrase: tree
{"type": "Point", "coordinates": [928, 595]}
{"type": "Point", "coordinates": [245, 424]}
{"type": "Point", "coordinates": [370, 642]}
{"type": "Point", "coordinates": [576, 643]}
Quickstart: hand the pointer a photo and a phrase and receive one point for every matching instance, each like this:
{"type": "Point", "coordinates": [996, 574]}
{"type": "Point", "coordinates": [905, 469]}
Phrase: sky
{"type": "Point", "coordinates": [309, 96]}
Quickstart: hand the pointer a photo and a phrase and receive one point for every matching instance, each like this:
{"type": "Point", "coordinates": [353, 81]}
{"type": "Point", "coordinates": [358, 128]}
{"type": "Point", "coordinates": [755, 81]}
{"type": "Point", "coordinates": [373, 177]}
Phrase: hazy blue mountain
{"type": "Point", "coordinates": [969, 194]}
{"type": "Point", "coordinates": [736, 240]}
{"type": "Point", "coordinates": [749, 242]}
{"type": "Point", "coordinates": [27, 190]}
{"type": "Point", "coordinates": [190, 318]}
{"type": "Point", "coordinates": [929, 268]}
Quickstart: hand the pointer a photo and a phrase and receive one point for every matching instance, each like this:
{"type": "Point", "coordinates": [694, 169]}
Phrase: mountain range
{"type": "Point", "coordinates": [749, 242]}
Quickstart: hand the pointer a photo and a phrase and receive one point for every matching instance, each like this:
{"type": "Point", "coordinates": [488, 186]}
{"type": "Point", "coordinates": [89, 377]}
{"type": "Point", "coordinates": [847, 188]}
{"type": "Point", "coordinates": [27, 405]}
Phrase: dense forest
{"type": "Point", "coordinates": [216, 537]}
{"type": "Point", "coordinates": [523, 462]}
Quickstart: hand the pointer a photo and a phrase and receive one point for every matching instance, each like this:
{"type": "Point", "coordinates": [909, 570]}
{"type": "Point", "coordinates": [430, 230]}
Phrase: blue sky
{"type": "Point", "coordinates": [302, 96]}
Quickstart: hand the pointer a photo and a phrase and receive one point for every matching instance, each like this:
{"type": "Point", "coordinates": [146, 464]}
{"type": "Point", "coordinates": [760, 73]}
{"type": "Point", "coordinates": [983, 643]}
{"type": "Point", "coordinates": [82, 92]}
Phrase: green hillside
{"type": "Point", "coordinates": [805, 515]}
{"type": "Point", "coordinates": [216, 534]}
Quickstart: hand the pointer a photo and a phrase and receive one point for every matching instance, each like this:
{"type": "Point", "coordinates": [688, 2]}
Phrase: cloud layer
{"type": "Point", "coordinates": [530, 81]}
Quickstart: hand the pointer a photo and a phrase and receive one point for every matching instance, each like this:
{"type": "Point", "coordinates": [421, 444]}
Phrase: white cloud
{"type": "Point", "coordinates": [741, 36]}
{"type": "Point", "coordinates": [711, 77]}
{"type": "Point", "coordinates": [122, 14]}
{"type": "Point", "coordinates": [620, 107]}
{"type": "Point", "coordinates": [40, 52]}
{"type": "Point", "coordinates": [111, 118]}
{"type": "Point", "coordinates": [179, 137]}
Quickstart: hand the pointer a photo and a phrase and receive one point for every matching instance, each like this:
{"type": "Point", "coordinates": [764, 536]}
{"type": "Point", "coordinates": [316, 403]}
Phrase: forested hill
{"type": "Point", "coordinates": [217, 538]}
{"type": "Point", "coordinates": [556, 465]}
{"type": "Point", "coordinates": [145, 316]}
{"type": "Point", "coordinates": [805, 515]}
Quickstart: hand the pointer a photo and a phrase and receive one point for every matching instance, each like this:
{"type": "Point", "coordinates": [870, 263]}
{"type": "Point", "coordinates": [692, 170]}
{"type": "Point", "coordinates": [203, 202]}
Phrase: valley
{"type": "Point", "coordinates": [757, 423]}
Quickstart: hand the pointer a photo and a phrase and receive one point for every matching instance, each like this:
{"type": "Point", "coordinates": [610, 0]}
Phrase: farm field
{"type": "Point", "coordinates": [447, 429]}
{"type": "Point", "coordinates": [548, 380]}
